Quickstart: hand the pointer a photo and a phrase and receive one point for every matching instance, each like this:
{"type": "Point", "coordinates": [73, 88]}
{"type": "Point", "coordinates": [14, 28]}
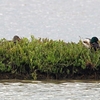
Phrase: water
{"type": "Point", "coordinates": [66, 20]}
{"type": "Point", "coordinates": [49, 90]}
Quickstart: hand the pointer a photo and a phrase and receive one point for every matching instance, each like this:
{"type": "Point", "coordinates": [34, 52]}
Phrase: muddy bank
{"type": "Point", "coordinates": [43, 76]}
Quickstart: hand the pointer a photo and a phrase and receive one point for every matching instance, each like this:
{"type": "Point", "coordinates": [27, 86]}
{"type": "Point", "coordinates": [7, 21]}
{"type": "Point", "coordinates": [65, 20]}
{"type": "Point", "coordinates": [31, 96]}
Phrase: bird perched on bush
{"type": "Point", "coordinates": [92, 43]}
{"type": "Point", "coordinates": [16, 38]}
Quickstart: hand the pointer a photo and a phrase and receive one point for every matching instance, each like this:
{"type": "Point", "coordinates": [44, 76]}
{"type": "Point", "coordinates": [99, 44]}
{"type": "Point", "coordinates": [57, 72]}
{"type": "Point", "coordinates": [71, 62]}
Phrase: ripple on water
{"type": "Point", "coordinates": [42, 90]}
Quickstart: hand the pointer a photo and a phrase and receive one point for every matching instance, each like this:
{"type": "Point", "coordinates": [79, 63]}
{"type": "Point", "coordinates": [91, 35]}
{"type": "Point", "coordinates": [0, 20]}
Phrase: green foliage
{"type": "Point", "coordinates": [46, 56]}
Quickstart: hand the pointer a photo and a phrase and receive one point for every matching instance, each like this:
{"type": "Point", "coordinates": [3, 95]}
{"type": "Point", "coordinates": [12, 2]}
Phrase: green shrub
{"type": "Point", "coordinates": [46, 56]}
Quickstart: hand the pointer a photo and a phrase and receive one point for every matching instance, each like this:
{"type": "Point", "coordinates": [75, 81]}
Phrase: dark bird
{"type": "Point", "coordinates": [16, 38]}
{"type": "Point", "coordinates": [94, 42]}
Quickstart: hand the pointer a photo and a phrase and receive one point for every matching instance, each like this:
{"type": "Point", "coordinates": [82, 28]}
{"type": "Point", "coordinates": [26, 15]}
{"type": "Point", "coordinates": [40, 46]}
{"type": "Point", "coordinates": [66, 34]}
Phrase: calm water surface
{"type": "Point", "coordinates": [67, 20]}
{"type": "Point", "coordinates": [49, 90]}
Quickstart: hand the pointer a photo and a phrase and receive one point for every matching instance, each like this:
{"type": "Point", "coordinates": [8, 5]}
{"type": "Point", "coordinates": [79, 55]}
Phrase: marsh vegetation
{"type": "Point", "coordinates": [45, 58]}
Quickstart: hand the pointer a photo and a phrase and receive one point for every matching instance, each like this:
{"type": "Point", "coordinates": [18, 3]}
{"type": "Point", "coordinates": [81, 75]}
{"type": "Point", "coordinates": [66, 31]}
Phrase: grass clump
{"type": "Point", "coordinates": [44, 58]}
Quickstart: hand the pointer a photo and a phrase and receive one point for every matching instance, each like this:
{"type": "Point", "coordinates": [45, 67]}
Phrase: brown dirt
{"type": "Point", "coordinates": [41, 76]}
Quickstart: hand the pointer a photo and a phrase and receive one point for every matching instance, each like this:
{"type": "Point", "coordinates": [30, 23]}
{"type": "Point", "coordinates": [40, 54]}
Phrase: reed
{"type": "Point", "coordinates": [47, 57]}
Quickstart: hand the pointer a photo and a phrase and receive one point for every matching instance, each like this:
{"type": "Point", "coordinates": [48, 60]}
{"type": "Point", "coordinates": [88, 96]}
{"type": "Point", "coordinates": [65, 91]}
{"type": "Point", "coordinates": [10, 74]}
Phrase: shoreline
{"type": "Point", "coordinates": [48, 77]}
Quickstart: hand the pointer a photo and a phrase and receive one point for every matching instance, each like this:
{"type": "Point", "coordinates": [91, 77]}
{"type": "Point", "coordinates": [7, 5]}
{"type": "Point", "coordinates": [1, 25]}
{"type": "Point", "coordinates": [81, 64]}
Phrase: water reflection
{"type": "Point", "coordinates": [49, 90]}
